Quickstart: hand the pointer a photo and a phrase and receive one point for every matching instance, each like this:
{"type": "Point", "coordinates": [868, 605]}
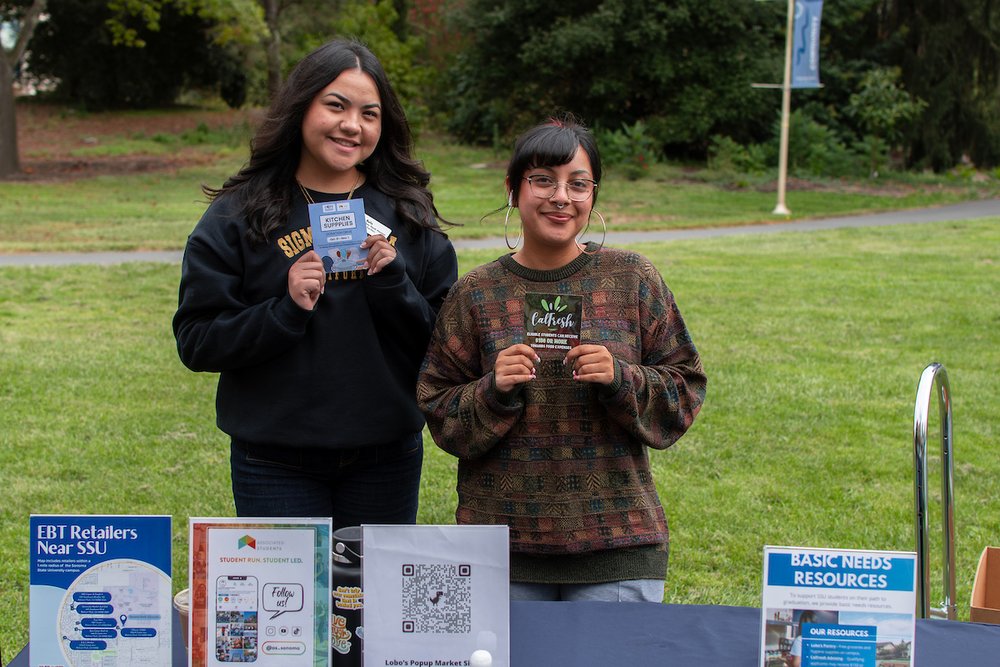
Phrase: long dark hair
{"type": "Point", "coordinates": [266, 183]}
{"type": "Point", "coordinates": [551, 144]}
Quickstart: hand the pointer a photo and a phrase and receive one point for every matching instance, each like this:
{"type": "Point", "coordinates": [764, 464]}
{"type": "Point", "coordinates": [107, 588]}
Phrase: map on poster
{"type": "Point", "coordinates": [100, 591]}
{"type": "Point", "coordinates": [260, 592]}
{"type": "Point", "coordinates": [837, 607]}
{"type": "Point", "coordinates": [434, 595]}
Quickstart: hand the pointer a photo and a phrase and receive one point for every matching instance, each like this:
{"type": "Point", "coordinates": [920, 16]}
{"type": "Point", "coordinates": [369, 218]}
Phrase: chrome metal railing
{"type": "Point", "coordinates": [934, 375]}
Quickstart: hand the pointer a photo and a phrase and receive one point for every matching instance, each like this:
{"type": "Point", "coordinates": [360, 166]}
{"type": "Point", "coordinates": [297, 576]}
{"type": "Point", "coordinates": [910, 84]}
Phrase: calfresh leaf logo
{"type": "Point", "coordinates": [555, 307]}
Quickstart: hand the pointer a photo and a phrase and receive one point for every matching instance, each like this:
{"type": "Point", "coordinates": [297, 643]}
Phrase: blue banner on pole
{"type": "Point", "coordinates": [805, 44]}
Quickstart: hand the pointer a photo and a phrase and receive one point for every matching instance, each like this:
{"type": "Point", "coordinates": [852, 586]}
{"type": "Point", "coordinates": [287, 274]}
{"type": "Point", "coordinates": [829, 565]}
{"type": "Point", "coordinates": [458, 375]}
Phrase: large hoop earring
{"type": "Point", "coordinates": [506, 220]}
{"type": "Point", "coordinates": [604, 238]}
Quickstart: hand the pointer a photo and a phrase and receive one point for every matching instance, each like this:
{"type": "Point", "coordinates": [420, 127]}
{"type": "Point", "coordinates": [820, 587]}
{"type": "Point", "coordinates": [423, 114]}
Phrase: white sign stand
{"type": "Point", "coordinates": [434, 595]}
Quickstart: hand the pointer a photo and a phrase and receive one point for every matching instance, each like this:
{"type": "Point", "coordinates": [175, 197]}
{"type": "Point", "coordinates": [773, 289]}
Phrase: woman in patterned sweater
{"type": "Point", "coordinates": [551, 424]}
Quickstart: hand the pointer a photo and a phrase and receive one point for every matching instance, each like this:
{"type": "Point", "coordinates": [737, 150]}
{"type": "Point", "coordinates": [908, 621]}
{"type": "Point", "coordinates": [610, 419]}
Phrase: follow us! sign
{"type": "Point", "coordinates": [260, 592]}
{"type": "Point", "coordinates": [839, 607]}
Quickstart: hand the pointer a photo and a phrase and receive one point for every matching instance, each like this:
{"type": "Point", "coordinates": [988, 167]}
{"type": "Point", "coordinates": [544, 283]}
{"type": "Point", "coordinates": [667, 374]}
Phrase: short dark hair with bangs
{"type": "Point", "coordinates": [551, 144]}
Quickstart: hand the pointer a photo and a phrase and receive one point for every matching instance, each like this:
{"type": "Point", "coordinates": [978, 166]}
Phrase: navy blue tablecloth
{"type": "Point", "coordinates": [627, 634]}
{"type": "Point", "coordinates": [602, 634]}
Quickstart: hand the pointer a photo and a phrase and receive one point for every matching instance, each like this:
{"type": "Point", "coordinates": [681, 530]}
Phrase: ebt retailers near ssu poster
{"type": "Point", "coordinates": [837, 608]}
{"type": "Point", "coordinates": [100, 591]}
{"type": "Point", "coordinates": [260, 592]}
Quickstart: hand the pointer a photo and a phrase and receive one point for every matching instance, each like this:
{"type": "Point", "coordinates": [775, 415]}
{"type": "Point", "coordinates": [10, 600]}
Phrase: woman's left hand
{"type": "Point", "coordinates": [380, 253]}
{"type": "Point", "coordinates": [592, 363]}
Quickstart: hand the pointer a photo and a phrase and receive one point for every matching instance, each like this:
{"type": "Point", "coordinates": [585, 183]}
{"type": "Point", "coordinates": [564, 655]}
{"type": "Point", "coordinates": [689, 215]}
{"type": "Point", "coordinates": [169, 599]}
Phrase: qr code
{"type": "Point", "coordinates": [437, 598]}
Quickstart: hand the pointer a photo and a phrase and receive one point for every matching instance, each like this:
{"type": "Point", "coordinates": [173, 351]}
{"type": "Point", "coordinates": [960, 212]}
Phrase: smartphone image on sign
{"type": "Point", "coordinates": [236, 619]}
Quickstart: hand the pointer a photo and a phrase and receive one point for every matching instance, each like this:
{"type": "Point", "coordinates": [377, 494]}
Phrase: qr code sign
{"type": "Point", "coordinates": [437, 598]}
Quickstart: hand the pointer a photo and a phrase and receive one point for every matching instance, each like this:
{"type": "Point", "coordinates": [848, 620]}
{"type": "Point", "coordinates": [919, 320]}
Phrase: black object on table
{"type": "Point", "coordinates": [585, 634]}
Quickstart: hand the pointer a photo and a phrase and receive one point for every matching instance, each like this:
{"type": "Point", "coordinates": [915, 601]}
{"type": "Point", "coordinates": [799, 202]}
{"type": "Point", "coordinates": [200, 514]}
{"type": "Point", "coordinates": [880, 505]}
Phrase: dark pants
{"type": "Point", "coordinates": [377, 484]}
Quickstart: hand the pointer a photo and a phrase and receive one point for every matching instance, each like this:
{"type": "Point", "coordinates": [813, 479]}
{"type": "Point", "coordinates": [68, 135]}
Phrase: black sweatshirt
{"type": "Point", "coordinates": [341, 375]}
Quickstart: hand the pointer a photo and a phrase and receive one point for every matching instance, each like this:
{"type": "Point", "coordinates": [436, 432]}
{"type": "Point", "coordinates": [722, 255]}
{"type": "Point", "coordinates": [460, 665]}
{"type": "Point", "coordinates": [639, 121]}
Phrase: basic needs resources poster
{"type": "Point", "coordinates": [260, 592]}
{"type": "Point", "coordinates": [100, 591]}
{"type": "Point", "coordinates": [838, 607]}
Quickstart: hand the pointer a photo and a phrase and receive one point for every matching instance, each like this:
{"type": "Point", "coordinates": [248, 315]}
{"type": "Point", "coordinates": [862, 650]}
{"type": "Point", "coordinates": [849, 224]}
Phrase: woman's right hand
{"type": "Point", "coordinates": [306, 280]}
{"type": "Point", "coordinates": [514, 365]}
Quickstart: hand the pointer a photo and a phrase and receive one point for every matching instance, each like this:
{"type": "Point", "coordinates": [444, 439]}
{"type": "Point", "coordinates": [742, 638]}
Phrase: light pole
{"type": "Point", "coordinates": [786, 108]}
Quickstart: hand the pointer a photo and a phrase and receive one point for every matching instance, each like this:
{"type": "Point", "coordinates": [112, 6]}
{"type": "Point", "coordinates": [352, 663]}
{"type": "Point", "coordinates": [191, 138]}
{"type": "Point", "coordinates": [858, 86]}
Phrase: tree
{"type": "Point", "coordinates": [228, 31]}
{"type": "Point", "coordinates": [291, 23]}
{"type": "Point", "coordinates": [75, 47]}
{"type": "Point", "coordinates": [27, 19]}
{"type": "Point", "coordinates": [884, 111]}
{"type": "Point", "coordinates": [233, 21]}
{"type": "Point", "coordinates": [684, 67]}
{"type": "Point", "coordinates": [949, 55]}
{"type": "Point", "coordinates": [376, 24]}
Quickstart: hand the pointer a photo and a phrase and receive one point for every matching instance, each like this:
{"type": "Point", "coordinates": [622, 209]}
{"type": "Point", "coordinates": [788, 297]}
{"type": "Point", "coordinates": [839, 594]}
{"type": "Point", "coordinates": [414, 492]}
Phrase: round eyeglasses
{"type": "Point", "coordinates": [577, 189]}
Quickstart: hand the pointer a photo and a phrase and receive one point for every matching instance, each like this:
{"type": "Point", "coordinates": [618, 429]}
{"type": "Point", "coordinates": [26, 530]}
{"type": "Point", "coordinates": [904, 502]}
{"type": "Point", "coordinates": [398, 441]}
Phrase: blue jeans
{"type": "Point", "coordinates": [633, 590]}
{"type": "Point", "coordinates": [377, 484]}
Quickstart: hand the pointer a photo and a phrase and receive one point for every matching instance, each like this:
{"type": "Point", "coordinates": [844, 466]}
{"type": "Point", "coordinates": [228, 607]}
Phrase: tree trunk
{"type": "Point", "coordinates": [272, 11]}
{"type": "Point", "coordinates": [9, 164]}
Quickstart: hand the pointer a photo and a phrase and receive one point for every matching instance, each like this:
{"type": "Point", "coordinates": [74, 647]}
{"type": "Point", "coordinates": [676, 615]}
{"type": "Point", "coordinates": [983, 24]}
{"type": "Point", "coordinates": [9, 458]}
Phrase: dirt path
{"type": "Point", "coordinates": [50, 138]}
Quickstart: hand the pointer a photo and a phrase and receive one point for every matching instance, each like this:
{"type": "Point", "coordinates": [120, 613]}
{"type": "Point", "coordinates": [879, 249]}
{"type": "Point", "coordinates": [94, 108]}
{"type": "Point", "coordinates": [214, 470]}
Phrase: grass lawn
{"type": "Point", "coordinates": [156, 210]}
{"type": "Point", "coordinates": [813, 344]}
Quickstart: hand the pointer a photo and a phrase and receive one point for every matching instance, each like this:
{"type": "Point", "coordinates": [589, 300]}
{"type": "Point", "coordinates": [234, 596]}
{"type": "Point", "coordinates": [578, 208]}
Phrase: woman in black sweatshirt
{"type": "Point", "coordinates": [318, 363]}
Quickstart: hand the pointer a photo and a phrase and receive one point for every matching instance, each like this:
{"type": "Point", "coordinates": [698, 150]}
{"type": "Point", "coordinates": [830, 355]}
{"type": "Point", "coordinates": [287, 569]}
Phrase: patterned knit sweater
{"type": "Point", "coordinates": [564, 463]}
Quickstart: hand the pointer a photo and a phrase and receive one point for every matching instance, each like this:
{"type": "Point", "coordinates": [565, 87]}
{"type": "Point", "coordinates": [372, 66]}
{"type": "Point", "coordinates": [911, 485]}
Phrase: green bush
{"type": "Point", "coordinates": [884, 111]}
{"type": "Point", "coordinates": [728, 156]}
{"type": "Point", "coordinates": [629, 148]}
{"type": "Point", "coordinates": [877, 151]}
{"type": "Point", "coordinates": [813, 148]}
